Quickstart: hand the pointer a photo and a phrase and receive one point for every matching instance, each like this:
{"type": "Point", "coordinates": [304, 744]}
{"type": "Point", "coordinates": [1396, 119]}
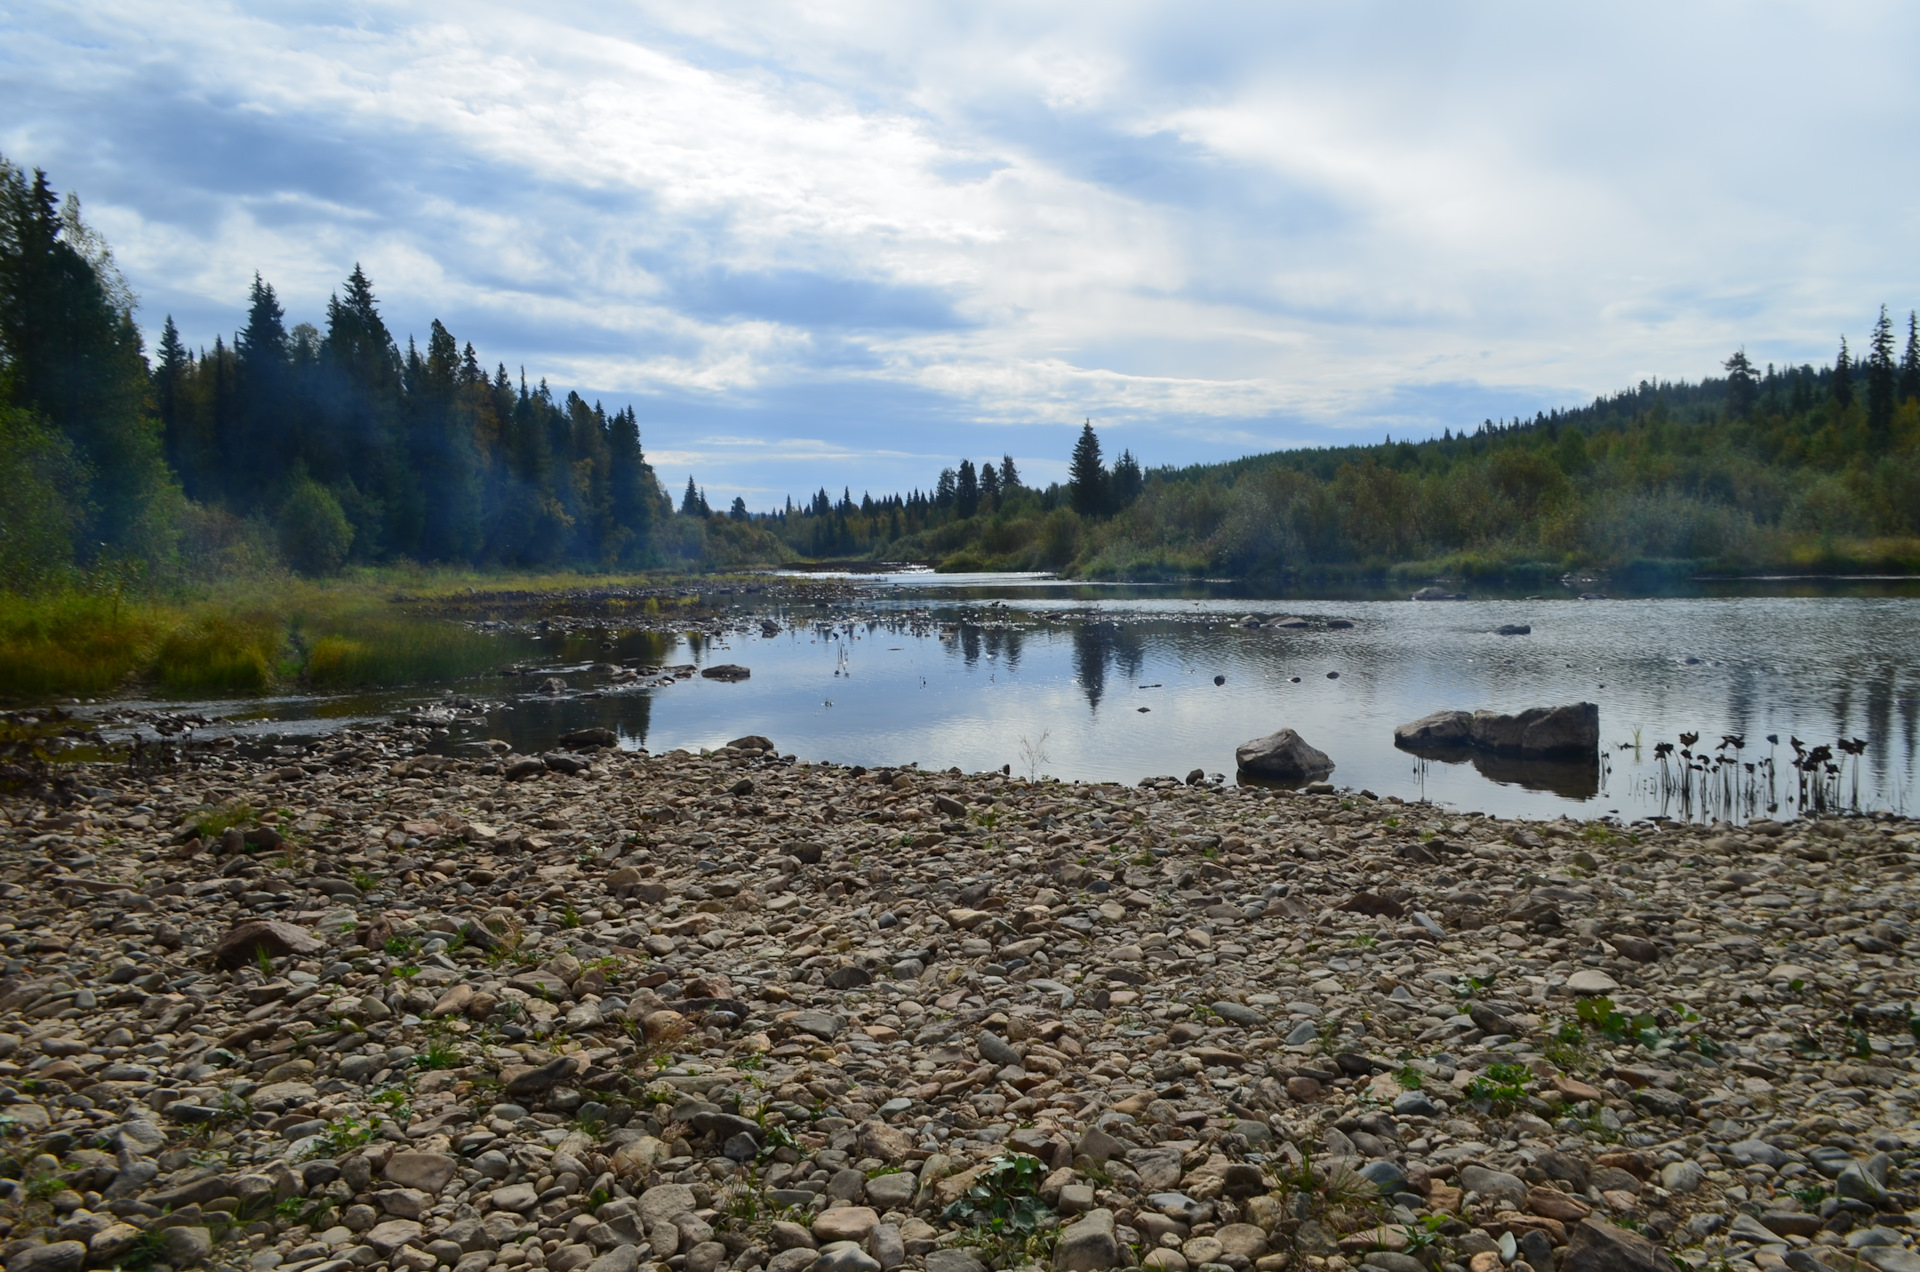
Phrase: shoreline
{"type": "Point", "coordinates": [726, 1011]}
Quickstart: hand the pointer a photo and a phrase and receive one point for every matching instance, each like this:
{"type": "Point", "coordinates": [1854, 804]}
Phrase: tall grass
{"type": "Point", "coordinates": [77, 642]}
{"type": "Point", "coordinates": [246, 637]}
{"type": "Point", "coordinates": [222, 653]}
{"type": "Point", "coordinates": [358, 651]}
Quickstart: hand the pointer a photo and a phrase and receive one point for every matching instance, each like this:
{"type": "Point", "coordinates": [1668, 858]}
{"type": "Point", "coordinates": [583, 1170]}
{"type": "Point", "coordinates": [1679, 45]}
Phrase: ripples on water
{"type": "Point", "coordinates": [1118, 684]}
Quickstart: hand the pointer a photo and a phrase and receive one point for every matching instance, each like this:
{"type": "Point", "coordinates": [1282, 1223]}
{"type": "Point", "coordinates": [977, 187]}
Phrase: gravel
{"type": "Point", "coordinates": [695, 1012]}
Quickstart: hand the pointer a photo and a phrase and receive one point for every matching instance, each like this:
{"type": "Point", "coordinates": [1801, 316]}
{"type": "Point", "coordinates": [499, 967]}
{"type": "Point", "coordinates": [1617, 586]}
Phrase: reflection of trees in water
{"type": "Point", "coordinates": [969, 643]}
{"type": "Point", "coordinates": [1004, 644]}
{"type": "Point", "coordinates": [1098, 647]}
{"type": "Point", "coordinates": [1090, 655]}
{"type": "Point", "coordinates": [535, 724]}
{"type": "Point", "coordinates": [648, 648]}
{"type": "Point", "coordinates": [1882, 688]}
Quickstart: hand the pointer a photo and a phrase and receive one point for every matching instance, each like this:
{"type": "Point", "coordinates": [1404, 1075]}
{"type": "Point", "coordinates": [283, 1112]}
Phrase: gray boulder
{"type": "Point", "coordinates": [1441, 729]}
{"type": "Point", "coordinates": [1539, 731]}
{"type": "Point", "coordinates": [1284, 756]}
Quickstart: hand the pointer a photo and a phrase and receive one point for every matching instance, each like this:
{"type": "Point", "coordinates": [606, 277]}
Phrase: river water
{"type": "Point", "coordinates": [1095, 683]}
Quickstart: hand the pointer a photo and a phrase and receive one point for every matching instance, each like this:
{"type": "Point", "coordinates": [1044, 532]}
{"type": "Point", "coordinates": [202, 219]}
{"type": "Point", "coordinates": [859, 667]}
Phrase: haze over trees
{"type": "Point", "coordinates": [330, 444]}
{"type": "Point", "coordinates": [322, 446]}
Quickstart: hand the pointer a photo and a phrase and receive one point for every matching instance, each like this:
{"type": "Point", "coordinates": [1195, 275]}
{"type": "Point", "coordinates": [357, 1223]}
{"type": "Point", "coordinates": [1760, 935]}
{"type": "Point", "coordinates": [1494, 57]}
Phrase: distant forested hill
{"type": "Point", "coordinates": [1803, 467]}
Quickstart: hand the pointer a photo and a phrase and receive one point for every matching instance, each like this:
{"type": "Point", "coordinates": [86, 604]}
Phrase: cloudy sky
{"type": "Point", "coordinates": [848, 242]}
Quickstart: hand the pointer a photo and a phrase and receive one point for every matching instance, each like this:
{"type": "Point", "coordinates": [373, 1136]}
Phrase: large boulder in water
{"type": "Point", "coordinates": [1539, 731]}
{"type": "Point", "coordinates": [1438, 731]}
{"type": "Point", "coordinates": [1284, 756]}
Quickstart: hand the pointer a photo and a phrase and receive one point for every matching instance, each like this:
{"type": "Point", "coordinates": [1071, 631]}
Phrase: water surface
{"type": "Point", "coordinates": [1119, 683]}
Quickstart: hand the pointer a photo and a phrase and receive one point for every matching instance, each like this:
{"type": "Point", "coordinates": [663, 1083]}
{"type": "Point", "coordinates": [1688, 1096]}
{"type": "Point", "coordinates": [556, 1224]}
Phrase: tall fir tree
{"type": "Point", "coordinates": [1087, 476]}
{"type": "Point", "coordinates": [1910, 360]}
{"type": "Point", "coordinates": [257, 447]}
{"type": "Point", "coordinates": [171, 373]}
{"type": "Point", "coordinates": [1128, 480]}
{"type": "Point", "coordinates": [966, 490]}
{"type": "Point", "coordinates": [1883, 381]}
{"type": "Point", "coordinates": [72, 353]}
{"type": "Point", "coordinates": [1842, 384]}
{"type": "Point", "coordinates": [1740, 384]}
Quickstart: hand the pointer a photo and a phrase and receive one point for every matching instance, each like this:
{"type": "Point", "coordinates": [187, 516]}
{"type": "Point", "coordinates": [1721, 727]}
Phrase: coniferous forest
{"type": "Point", "coordinates": [318, 447]}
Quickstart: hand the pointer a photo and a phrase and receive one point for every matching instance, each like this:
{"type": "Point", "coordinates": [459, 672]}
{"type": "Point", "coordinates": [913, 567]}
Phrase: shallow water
{"type": "Point", "coordinates": [1096, 683]}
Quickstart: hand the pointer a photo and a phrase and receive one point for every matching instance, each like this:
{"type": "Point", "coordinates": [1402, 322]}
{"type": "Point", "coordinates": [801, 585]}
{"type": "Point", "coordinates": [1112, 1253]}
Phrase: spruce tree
{"type": "Point", "coordinates": [690, 502]}
{"type": "Point", "coordinates": [72, 353]}
{"type": "Point", "coordinates": [990, 484]}
{"type": "Point", "coordinates": [1740, 383]}
{"type": "Point", "coordinates": [255, 453]}
{"type": "Point", "coordinates": [1128, 480]}
{"type": "Point", "coordinates": [170, 402]}
{"type": "Point", "coordinates": [631, 486]}
{"type": "Point", "coordinates": [1910, 360]}
{"type": "Point", "coordinates": [1842, 385]}
{"type": "Point", "coordinates": [1882, 381]}
{"type": "Point", "coordinates": [1087, 483]}
{"type": "Point", "coordinates": [1009, 475]}
{"type": "Point", "coordinates": [966, 490]}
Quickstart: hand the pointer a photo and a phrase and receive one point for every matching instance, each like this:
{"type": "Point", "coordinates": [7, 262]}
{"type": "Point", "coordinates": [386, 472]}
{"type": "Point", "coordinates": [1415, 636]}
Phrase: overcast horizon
{"type": "Point", "coordinates": [849, 244]}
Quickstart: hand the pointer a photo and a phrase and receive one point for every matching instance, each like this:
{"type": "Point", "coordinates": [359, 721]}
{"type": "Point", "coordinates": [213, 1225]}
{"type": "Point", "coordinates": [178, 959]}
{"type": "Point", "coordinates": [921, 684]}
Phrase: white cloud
{"type": "Point", "coordinates": [1209, 234]}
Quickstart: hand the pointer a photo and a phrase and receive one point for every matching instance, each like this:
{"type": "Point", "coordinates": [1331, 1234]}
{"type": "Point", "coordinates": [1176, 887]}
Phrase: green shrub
{"type": "Point", "coordinates": [314, 531]}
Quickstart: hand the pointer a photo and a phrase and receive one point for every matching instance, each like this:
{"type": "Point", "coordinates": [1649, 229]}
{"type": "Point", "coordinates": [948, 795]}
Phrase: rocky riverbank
{"type": "Point", "coordinates": [385, 1010]}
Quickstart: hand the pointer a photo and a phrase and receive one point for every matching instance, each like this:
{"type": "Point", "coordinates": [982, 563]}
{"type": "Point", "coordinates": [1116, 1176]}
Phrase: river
{"type": "Point", "coordinates": [1121, 683]}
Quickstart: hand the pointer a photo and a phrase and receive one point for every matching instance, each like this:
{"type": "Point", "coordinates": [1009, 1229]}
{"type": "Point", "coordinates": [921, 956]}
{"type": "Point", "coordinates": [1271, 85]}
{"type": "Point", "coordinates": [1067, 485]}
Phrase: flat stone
{"type": "Point", "coordinates": [995, 1049]}
{"type": "Point", "coordinates": [387, 1237]}
{"type": "Point", "coordinates": [518, 1198]}
{"type": "Point", "coordinates": [1493, 1183]}
{"type": "Point", "coordinates": [820, 1024]}
{"type": "Point", "coordinates": [1886, 1258]}
{"type": "Point", "coordinates": [1755, 1152]}
{"type": "Point", "coordinates": [1594, 1245]}
{"type": "Point", "coordinates": [663, 1203]}
{"type": "Point", "coordinates": [55, 1256]}
{"type": "Point", "coordinates": [429, 1172]}
{"type": "Point", "coordinates": [244, 941]}
{"type": "Point", "coordinates": [849, 1223]}
{"type": "Point", "coordinates": [1589, 981]}
{"type": "Point", "coordinates": [892, 1191]}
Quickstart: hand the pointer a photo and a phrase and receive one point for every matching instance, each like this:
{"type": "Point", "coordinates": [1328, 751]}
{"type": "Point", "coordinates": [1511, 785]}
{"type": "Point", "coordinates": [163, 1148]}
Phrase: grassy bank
{"type": "Point", "coordinates": [371, 629]}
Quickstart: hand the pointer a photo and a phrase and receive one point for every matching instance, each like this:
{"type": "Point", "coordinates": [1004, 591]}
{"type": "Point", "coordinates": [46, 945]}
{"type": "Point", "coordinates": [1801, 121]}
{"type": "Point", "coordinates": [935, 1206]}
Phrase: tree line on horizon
{"type": "Point", "coordinates": [1804, 465]}
{"type": "Point", "coordinates": [319, 446]}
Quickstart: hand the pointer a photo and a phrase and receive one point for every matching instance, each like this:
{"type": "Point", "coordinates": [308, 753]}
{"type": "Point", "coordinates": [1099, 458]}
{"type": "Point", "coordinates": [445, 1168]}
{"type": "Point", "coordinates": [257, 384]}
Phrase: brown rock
{"type": "Point", "coordinates": [242, 944]}
{"type": "Point", "coordinates": [1575, 1089]}
{"type": "Point", "coordinates": [1597, 1246]}
{"type": "Point", "coordinates": [1555, 1204]}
